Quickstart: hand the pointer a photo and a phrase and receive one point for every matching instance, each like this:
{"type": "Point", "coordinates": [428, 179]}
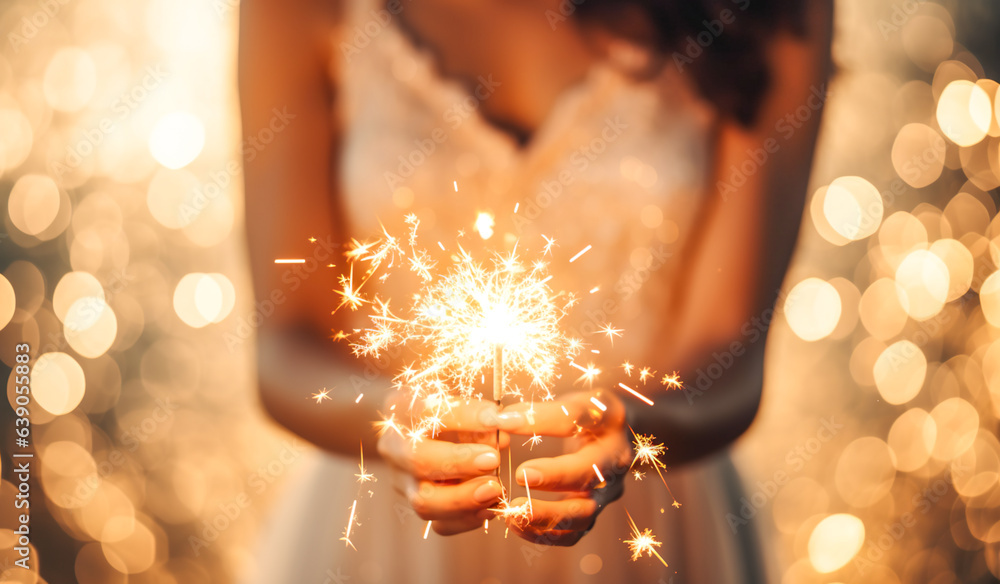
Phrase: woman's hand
{"type": "Point", "coordinates": [601, 443]}
{"type": "Point", "coordinates": [449, 480]}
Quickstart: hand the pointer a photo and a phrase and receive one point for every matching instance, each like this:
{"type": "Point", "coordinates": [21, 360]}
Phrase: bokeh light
{"type": "Point", "coordinates": [813, 309]}
{"type": "Point", "coordinates": [57, 383]}
{"type": "Point", "coordinates": [177, 139]}
{"type": "Point", "coordinates": [834, 541]}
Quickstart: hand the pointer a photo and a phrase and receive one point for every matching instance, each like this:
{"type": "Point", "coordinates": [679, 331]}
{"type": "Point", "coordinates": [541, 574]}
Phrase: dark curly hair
{"type": "Point", "coordinates": [731, 69]}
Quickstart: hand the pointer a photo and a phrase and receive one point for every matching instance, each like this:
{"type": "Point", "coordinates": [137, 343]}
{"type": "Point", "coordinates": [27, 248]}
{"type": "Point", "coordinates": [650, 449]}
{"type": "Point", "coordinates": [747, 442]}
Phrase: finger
{"type": "Point", "coordinates": [549, 537]}
{"type": "Point", "coordinates": [488, 438]}
{"type": "Point", "coordinates": [438, 460]}
{"type": "Point", "coordinates": [469, 416]}
{"type": "Point", "coordinates": [576, 471]}
{"type": "Point", "coordinates": [577, 514]}
{"type": "Point", "coordinates": [566, 416]}
{"type": "Point", "coordinates": [456, 526]}
{"type": "Point", "coordinates": [453, 502]}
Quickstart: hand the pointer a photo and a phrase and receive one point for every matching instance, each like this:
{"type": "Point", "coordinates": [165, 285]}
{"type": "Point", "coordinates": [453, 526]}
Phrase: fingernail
{"type": "Point", "coordinates": [488, 416]}
{"type": "Point", "coordinates": [486, 492]}
{"type": "Point", "coordinates": [510, 420]}
{"type": "Point", "coordinates": [487, 461]}
{"type": "Point", "coordinates": [531, 476]}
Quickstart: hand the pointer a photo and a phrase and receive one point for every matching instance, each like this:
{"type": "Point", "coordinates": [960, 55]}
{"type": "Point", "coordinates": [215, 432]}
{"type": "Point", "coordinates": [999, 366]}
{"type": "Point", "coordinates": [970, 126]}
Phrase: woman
{"type": "Point", "coordinates": [667, 134]}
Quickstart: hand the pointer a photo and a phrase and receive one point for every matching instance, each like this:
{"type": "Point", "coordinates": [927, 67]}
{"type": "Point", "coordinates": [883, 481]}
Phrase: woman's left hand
{"type": "Point", "coordinates": [602, 443]}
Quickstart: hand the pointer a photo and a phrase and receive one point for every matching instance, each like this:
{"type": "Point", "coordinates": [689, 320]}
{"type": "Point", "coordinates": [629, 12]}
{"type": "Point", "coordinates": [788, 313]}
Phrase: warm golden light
{"type": "Point", "coordinates": [57, 383]}
{"type": "Point", "coordinates": [899, 372]}
{"type": "Point", "coordinates": [33, 203]}
{"type": "Point", "coordinates": [812, 309]}
{"type": "Point", "coordinates": [834, 542]}
{"type": "Point", "coordinates": [177, 139]}
{"type": "Point", "coordinates": [964, 112]}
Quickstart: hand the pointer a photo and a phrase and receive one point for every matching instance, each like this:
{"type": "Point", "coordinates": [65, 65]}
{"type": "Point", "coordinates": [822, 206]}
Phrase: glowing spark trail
{"type": "Point", "coordinates": [350, 523]}
{"type": "Point", "coordinates": [580, 253]}
{"type": "Point", "coordinates": [319, 396]}
{"type": "Point", "coordinates": [293, 261]}
{"type": "Point", "coordinates": [636, 394]}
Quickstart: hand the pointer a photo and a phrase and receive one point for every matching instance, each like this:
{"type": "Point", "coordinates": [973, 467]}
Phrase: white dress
{"type": "Point", "coordinates": [620, 165]}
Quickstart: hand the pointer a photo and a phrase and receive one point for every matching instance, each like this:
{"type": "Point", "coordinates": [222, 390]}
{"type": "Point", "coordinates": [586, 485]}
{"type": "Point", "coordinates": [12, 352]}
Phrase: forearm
{"type": "Point", "coordinates": [293, 366]}
{"type": "Point", "coordinates": [710, 411]}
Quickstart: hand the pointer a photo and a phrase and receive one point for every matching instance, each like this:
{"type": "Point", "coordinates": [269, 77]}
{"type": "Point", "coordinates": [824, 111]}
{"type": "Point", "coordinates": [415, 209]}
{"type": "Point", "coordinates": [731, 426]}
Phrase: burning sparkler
{"type": "Point", "coordinates": [643, 542]}
{"type": "Point", "coordinates": [469, 316]}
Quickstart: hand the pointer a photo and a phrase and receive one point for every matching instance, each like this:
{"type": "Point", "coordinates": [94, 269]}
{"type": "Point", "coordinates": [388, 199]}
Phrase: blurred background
{"type": "Point", "coordinates": [874, 458]}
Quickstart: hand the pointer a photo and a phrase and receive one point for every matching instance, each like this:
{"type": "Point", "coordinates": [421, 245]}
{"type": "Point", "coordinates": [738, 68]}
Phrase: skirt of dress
{"type": "Point", "coordinates": [702, 541]}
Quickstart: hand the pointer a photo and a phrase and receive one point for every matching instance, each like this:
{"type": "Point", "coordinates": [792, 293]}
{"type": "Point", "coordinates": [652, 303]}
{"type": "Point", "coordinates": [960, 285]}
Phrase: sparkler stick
{"type": "Point", "coordinates": [498, 392]}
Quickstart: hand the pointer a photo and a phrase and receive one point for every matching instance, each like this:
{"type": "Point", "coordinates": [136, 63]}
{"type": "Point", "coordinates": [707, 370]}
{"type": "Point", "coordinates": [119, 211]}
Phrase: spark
{"type": "Point", "coordinates": [636, 394]}
{"type": "Point", "coordinates": [611, 332]}
{"type": "Point", "coordinates": [319, 396]}
{"type": "Point", "coordinates": [597, 471]}
{"type": "Point", "coordinates": [600, 405]}
{"type": "Point", "coordinates": [590, 372]}
{"type": "Point", "coordinates": [517, 206]}
{"type": "Point", "coordinates": [331, 266]}
{"type": "Point", "coordinates": [643, 542]}
{"type": "Point", "coordinates": [455, 182]}
{"type": "Point", "coordinates": [441, 245]}
{"type": "Point", "coordinates": [595, 289]}
{"type": "Point", "coordinates": [350, 523]}
{"type": "Point", "coordinates": [387, 424]}
{"type": "Point", "coordinates": [549, 244]}
{"type": "Point", "coordinates": [358, 400]}
{"type": "Point", "coordinates": [672, 381]}
{"type": "Point", "coordinates": [580, 253]}
{"type": "Point", "coordinates": [427, 529]}
{"type": "Point", "coordinates": [290, 261]}
{"type": "Point", "coordinates": [628, 367]}
{"type": "Point", "coordinates": [638, 474]}
{"type": "Point", "coordinates": [363, 475]}
{"type": "Point", "coordinates": [535, 440]}
{"type": "Point", "coordinates": [648, 452]}
{"type": "Point", "coordinates": [484, 224]}
{"type": "Point", "coordinates": [456, 322]}
{"type": "Point", "coordinates": [645, 374]}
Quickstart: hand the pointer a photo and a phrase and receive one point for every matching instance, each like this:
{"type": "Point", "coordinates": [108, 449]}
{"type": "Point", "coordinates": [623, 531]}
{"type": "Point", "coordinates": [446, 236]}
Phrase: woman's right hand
{"type": "Point", "coordinates": [450, 479]}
